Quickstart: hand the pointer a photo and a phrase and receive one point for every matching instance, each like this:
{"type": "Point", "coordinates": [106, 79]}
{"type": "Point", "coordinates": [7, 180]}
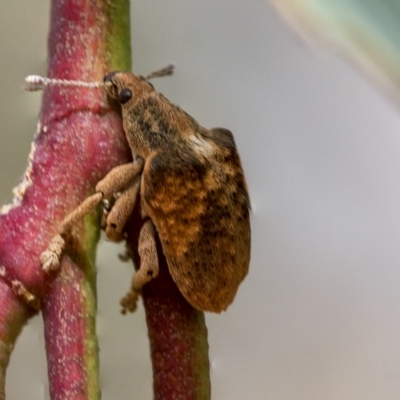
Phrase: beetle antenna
{"type": "Point", "coordinates": [36, 82]}
{"type": "Point", "coordinates": [166, 71]}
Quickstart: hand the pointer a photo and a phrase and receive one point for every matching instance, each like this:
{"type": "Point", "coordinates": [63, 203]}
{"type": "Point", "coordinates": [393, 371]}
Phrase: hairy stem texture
{"type": "Point", "coordinates": [79, 139]}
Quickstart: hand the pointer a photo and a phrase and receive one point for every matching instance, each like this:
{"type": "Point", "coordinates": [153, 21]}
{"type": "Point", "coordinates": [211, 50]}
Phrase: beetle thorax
{"type": "Point", "coordinates": [151, 125]}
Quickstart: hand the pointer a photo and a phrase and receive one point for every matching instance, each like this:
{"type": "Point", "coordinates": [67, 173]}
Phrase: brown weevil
{"type": "Point", "coordinates": [193, 196]}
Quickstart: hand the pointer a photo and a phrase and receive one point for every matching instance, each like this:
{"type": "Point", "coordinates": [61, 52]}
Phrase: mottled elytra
{"type": "Point", "coordinates": [193, 196]}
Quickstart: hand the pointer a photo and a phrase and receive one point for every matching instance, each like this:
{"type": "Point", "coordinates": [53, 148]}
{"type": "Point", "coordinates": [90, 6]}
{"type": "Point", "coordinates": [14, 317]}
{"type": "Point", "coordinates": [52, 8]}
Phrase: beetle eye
{"type": "Point", "coordinates": [124, 95]}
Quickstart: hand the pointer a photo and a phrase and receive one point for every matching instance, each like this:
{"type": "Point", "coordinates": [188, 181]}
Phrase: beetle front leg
{"type": "Point", "coordinates": [148, 266]}
{"type": "Point", "coordinates": [50, 258]}
{"type": "Point", "coordinates": [117, 179]}
{"type": "Point", "coordinates": [121, 211]}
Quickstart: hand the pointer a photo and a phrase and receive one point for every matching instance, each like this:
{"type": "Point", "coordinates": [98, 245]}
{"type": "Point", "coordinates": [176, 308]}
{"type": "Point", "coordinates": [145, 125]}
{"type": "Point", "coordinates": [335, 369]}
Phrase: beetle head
{"type": "Point", "coordinates": [126, 87]}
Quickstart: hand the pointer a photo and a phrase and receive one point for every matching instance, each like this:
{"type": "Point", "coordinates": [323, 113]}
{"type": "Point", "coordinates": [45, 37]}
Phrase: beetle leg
{"type": "Point", "coordinates": [118, 178]}
{"type": "Point", "coordinates": [121, 211]}
{"type": "Point", "coordinates": [51, 257]}
{"type": "Point", "coordinates": [148, 266]}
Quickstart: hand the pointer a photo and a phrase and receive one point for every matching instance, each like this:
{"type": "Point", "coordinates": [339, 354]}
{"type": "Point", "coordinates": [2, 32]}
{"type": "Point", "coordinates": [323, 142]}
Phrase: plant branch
{"type": "Point", "coordinates": [79, 139]}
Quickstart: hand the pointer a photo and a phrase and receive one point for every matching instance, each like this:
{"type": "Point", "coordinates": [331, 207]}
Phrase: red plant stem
{"type": "Point", "coordinates": [177, 333]}
{"type": "Point", "coordinates": [178, 342]}
{"type": "Point", "coordinates": [71, 344]}
{"type": "Point", "coordinates": [79, 139]}
{"type": "Point", "coordinates": [78, 50]}
{"type": "Point", "coordinates": [13, 316]}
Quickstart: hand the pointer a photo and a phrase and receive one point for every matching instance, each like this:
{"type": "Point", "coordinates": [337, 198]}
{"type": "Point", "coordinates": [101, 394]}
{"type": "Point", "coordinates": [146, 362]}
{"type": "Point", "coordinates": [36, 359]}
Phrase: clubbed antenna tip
{"type": "Point", "coordinates": [34, 82]}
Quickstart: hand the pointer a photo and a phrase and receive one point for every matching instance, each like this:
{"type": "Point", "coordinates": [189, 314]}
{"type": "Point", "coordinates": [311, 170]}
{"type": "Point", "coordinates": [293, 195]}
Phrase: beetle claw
{"type": "Point", "coordinates": [50, 258]}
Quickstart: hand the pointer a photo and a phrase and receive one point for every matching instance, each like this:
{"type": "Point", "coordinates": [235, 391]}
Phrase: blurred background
{"type": "Point", "coordinates": [318, 317]}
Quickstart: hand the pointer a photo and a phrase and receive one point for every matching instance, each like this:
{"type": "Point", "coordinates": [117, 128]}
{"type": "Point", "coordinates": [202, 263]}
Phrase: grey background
{"type": "Point", "coordinates": [318, 317]}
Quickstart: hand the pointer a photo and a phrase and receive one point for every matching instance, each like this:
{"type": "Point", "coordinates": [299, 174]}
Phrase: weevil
{"type": "Point", "coordinates": [193, 195]}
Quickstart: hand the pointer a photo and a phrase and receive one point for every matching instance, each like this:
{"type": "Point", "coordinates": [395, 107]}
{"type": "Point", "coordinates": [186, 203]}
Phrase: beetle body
{"type": "Point", "coordinates": [192, 189]}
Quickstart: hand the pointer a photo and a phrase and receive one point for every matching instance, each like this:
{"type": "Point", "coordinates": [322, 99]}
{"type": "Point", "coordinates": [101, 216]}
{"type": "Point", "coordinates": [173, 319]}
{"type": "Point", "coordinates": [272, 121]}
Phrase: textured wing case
{"type": "Point", "coordinates": [199, 204]}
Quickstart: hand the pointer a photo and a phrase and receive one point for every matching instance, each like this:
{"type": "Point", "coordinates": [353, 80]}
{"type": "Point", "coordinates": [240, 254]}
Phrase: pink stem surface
{"type": "Point", "coordinates": [78, 140]}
